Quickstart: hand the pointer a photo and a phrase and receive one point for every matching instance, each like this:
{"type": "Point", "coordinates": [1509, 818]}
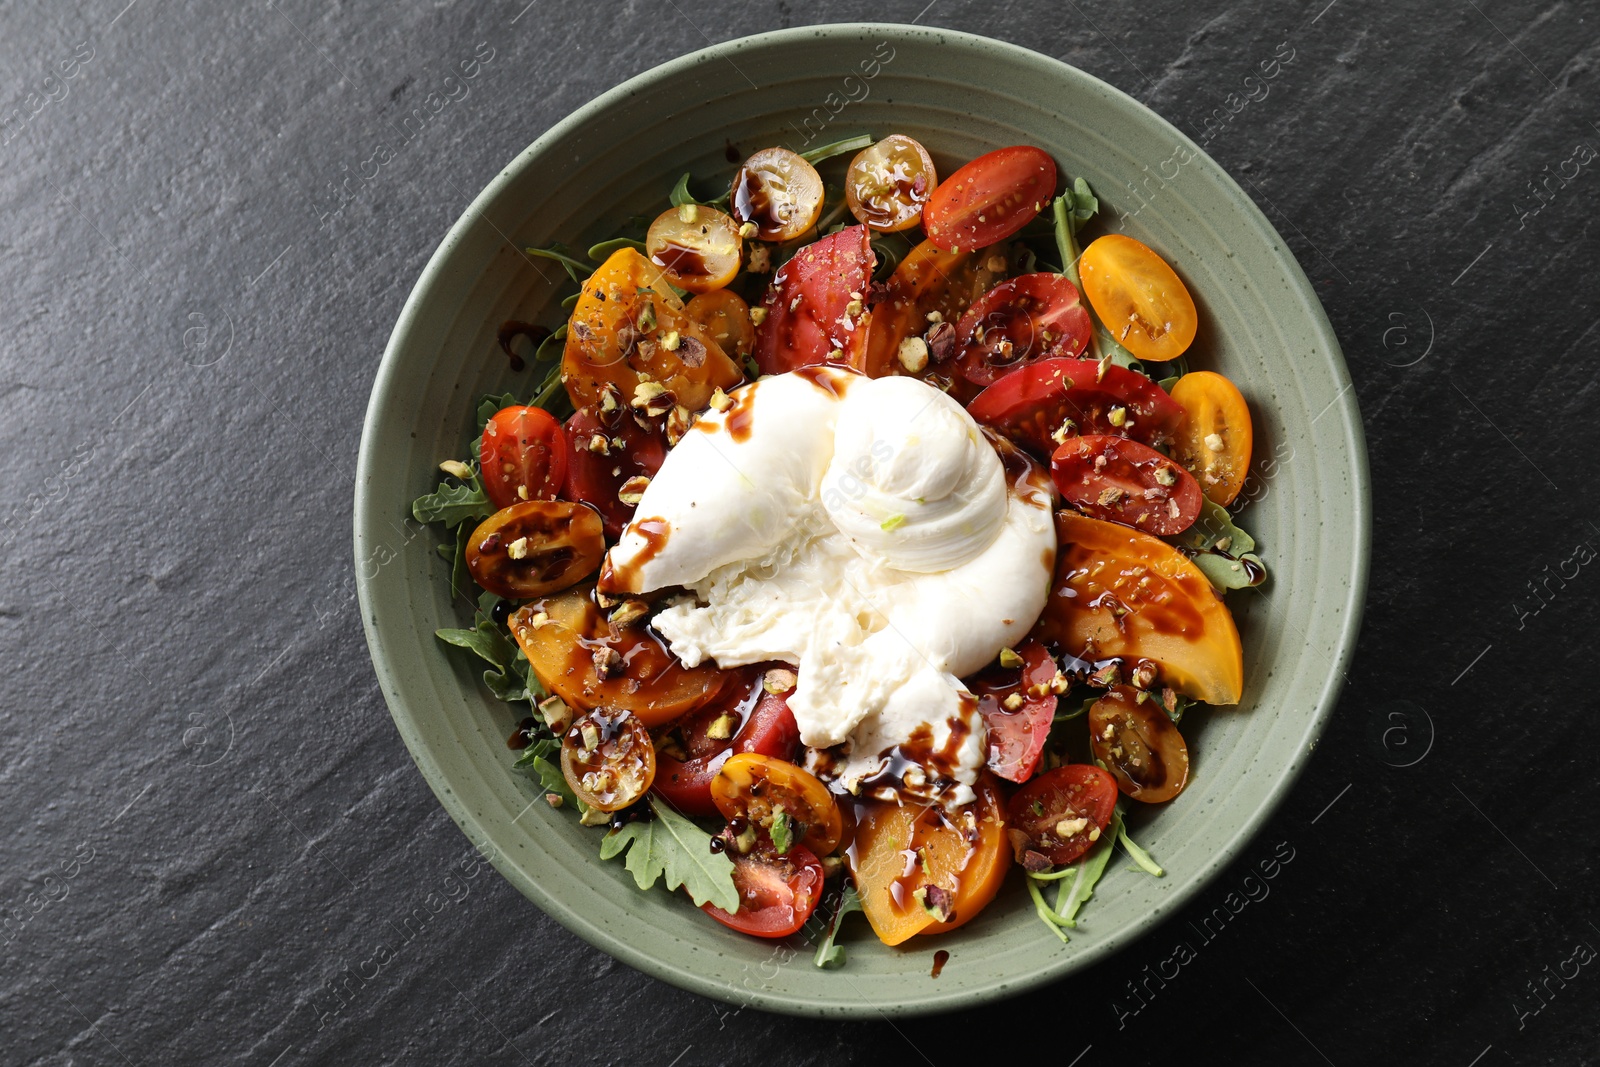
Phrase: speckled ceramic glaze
{"type": "Point", "coordinates": [961, 96]}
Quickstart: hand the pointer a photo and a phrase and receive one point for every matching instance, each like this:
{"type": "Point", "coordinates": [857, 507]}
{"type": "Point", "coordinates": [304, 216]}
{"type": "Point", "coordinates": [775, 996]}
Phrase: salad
{"type": "Point", "coordinates": [863, 539]}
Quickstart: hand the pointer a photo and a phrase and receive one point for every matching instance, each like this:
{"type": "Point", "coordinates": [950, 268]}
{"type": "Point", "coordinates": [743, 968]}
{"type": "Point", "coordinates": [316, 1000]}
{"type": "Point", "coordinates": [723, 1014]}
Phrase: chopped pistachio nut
{"type": "Point", "coordinates": [632, 490]}
{"type": "Point", "coordinates": [688, 212]}
{"type": "Point", "coordinates": [913, 354]}
{"type": "Point", "coordinates": [599, 443]}
{"type": "Point", "coordinates": [1100, 369]}
{"type": "Point", "coordinates": [1214, 442]}
{"type": "Point", "coordinates": [518, 549]}
{"type": "Point", "coordinates": [590, 736]}
{"type": "Point", "coordinates": [607, 661]}
{"type": "Point", "coordinates": [1118, 416]}
{"type": "Point", "coordinates": [779, 680]}
{"type": "Point", "coordinates": [760, 260]}
{"type": "Point", "coordinates": [538, 619]}
{"type": "Point", "coordinates": [669, 340]}
{"type": "Point", "coordinates": [653, 398]}
{"type": "Point", "coordinates": [1109, 498]}
{"type": "Point", "coordinates": [456, 469]}
{"type": "Point", "coordinates": [605, 601]}
{"type": "Point", "coordinates": [758, 315]}
{"type": "Point", "coordinates": [678, 423]}
{"type": "Point", "coordinates": [1068, 827]}
{"type": "Point", "coordinates": [1224, 543]}
{"type": "Point", "coordinates": [721, 728]}
{"type": "Point", "coordinates": [554, 800]}
{"type": "Point", "coordinates": [1165, 475]}
{"type": "Point", "coordinates": [721, 401]}
{"type": "Point", "coordinates": [610, 398]}
{"type": "Point", "coordinates": [995, 263]}
{"type": "Point", "coordinates": [647, 316]}
{"type": "Point", "coordinates": [935, 317]}
{"type": "Point", "coordinates": [749, 229]}
{"type": "Point", "coordinates": [892, 523]}
{"type": "Point", "coordinates": [593, 817]}
{"type": "Point", "coordinates": [556, 714]}
{"type": "Point", "coordinates": [629, 611]}
{"type": "Point", "coordinates": [1064, 431]}
{"type": "Point", "coordinates": [1009, 658]}
{"type": "Point", "coordinates": [1014, 701]}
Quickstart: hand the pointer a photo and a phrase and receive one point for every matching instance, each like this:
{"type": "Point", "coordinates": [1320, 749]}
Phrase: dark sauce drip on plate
{"type": "Point", "coordinates": [512, 329]}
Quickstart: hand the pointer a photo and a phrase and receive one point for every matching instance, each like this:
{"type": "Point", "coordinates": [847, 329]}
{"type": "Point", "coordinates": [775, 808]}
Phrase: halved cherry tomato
{"type": "Point", "coordinates": [744, 717]}
{"type": "Point", "coordinates": [608, 759]}
{"type": "Point", "coordinates": [535, 547]}
{"type": "Point", "coordinates": [990, 198]}
{"type": "Point", "coordinates": [1017, 734]}
{"type": "Point", "coordinates": [580, 656]}
{"type": "Point", "coordinates": [524, 456]}
{"type": "Point", "coordinates": [698, 247]}
{"type": "Point", "coordinates": [726, 317]}
{"type": "Point", "coordinates": [1138, 297]}
{"type": "Point", "coordinates": [1215, 438]}
{"type": "Point", "coordinates": [1123, 481]}
{"type": "Point", "coordinates": [780, 192]}
{"type": "Point", "coordinates": [1033, 402]}
{"type": "Point", "coordinates": [1059, 815]}
{"type": "Point", "coordinates": [1138, 742]}
{"type": "Point", "coordinates": [606, 451]}
{"type": "Point", "coordinates": [621, 327]}
{"type": "Point", "coordinates": [1121, 593]}
{"type": "Point", "coordinates": [888, 183]}
{"type": "Point", "coordinates": [1021, 321]}
{"type": "Point", "coordinates": [759, 788]}
{"type": "Point", "coordinates": [814, 308]}
{"type": "Point", "coordinates": [928, 279]}
{"type": "Point", "coordinates": [777, 894]}
{"type": "Point", "coordinates": [901, 849]}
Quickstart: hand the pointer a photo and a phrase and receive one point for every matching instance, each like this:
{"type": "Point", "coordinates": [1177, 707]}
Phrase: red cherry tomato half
{"type": "Point", "coordinates": [1017, 734]}
{"type": "Point", "coordinates": [603, 453]}
{"type": "Point", "coordinates": [1033, 402]}
{"type": "Point", "coordinates": [815, 310]}
{"type": "Point", "coordinates": [1123, 481]}
{"type": "Point", "coordinates": [524, 456]}
{"type": "Point", "coordinates": [758, 721]}
{"type": "Point", "coordinates": [777, 894]}
{"type": "Point", "coordinates": [1021, 321]}
{"type": "Point", "coordinates": [1060, 815]}
{"type": "Point", "coordinates": [990, 198]}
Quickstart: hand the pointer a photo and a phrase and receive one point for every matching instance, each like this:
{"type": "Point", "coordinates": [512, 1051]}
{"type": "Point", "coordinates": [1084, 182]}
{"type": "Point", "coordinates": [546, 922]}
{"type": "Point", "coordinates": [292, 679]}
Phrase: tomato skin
{"type": "Point", "coordinates": [1139, 743]}
{"type": "Point", "coordinates": [561, 648]}
{"type": "Point", "coordinates": [1017, 736]}
{"type": "Point", "coordinates": [756, 787]}
{"type": "Point", "coordinates": [990, 198]}
{"type": "Point", "coordinates": [562, 543]}
{"type": "Point", "coordinates": [1123, 481]}
{"type": "Point", "coordinates": [1119, 593]}
{"type": "Point", "coordinates": [1139, 297]}
{"type": "Point", "coordinates": [777, 894]}
{"type": "Point", "coordinates": [726, 316]}
{"type": "Point", "coordinates": [968, 855]}
{"type": "Point", "coordinates": [927, 279]}
{"type": "Point", "coordinates": [889, 182]}
{"type": "Point", "coordinates": [698, 247]}
{"type": "Point", "coordinates": [809, 296]}
{"type": "Point", "coordinates": [768, 729]}
{"type": "Point", "coordinates": [778, 190]}
{"type": "Point", "coordinates": [1021, 321]}
{"type": "Point", "coordinates": [616, 771]}
{"type": "Point", "coordinates": [523, 448]}
{"type": "Point", "coordinates": [1032, 402]}
{"type": "Point", "coordinates": [1071, 792]}
{"type": "Point", "coordinates": [1213, 405]}
{"type": "Point", "coordinates": [595, 478]}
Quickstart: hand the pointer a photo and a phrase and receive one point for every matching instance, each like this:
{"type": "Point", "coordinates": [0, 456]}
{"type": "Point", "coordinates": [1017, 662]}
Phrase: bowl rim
{"type": "Point", "coordinates": [368, 513]}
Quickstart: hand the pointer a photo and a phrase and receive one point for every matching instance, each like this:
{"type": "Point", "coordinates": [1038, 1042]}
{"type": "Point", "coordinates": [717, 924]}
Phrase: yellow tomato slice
{"type": "Point", "coordinates": [698, 247]}
{"type": "Point", "coordinates": [1139, 299]}
{"type": "Point", "coordinates": [1215, 438]}
{"type": "Point", "coordinates": [1122, 593]}
{"type": "Point", "coordinates": [928, 279]}
{"type": "Point", "coordinates": [725, 314]}
{"type": "Point", "coordinates": [628, 321]}
{"type": "Point", "coordinates": [759, 788]}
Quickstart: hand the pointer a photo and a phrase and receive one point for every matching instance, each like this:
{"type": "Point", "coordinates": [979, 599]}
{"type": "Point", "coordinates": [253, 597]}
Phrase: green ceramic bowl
{"type": "Point", "coordinates": [961, 96]}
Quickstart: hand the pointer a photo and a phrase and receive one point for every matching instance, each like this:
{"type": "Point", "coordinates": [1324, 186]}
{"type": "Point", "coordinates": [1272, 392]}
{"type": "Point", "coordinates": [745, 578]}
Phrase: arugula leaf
{"type": "Point", "coordinates": [460, 577]}
{"type": "Point", "coordinates": [489, 405]}
{"type": "Point", "coordinates": [515, 681]}
{"type": "Point", "coordinates": [537, 757]}
{"type": "Point", "coordinates": [452, 504]}
{"type": "Point", "coordinates": [837, 148]}
{"type": "Point", "coordinates": [1073, 895]}
{"type": "Point", "coordinates": [672, 848]}
{"type": "Point", "coordinates": [1216, 524]}
{"type": "Point", "coordinates": [1071, 210]}
{"type": "Point", "coordinates": [1242, 572]}
{"type": "Point", "coordinates": [1139, 855]}
{"type": "Point", "coordinates": [830, 955]}
{"type": "Point", "coordinates": [602, 251]}
{"type": "Point", "coordinates": [484, 640]}
{"type": "Point", "coordinates": [680, 194]}
{"type": "Point", "coordinates": [782, 832]}
{"type": "Point", "coordinates": [570, 302]}
{"type": "Point", "coordinates": [577, 269]}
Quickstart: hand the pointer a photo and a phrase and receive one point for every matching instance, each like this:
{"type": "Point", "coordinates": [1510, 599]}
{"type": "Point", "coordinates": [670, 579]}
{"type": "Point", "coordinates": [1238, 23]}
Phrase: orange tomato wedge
{"type": "Point", "coordinates": [1215, 438]}
{"type": "Point", "coordinates": [1139, 299]}
{"type": "Point", "coordinates": [902, 848]}
{"type": "Point", "coordinates": [628, 321]}
{"type": "Point", "coordinates": [1121, 593]}
{"type": "Point", "coordinates": [759, 788]}
{"type": "Point", "coordinates": [928, 279]}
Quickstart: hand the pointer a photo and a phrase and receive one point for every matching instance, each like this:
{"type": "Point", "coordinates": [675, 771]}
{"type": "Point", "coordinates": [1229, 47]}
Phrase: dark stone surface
{"type": "Point", "coordinates": [210, 816]}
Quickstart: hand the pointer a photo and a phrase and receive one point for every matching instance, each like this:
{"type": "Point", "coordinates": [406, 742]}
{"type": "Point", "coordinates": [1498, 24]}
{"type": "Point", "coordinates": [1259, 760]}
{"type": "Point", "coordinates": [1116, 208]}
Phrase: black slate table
{"type": "Point", "coordinates": [209, 817]}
